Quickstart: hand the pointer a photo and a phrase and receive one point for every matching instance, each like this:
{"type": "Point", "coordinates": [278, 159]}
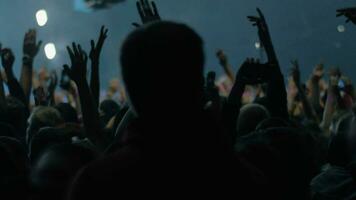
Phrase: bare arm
{"type": "Point", "coordinates": [276, 92]}
{"type": "Point", "coordinates": [90, 112]}
{"type": "Point", "coordinates": [226, 65]}
{"type": "Point", "coordinates": [30, 50]}
{"type": "Point", "coordinates": [330, 106]}
{"type": "Point", "coordinates": [95, 59]}
{"type": "Point", "coordinates": [308, 110]}
{"type": "Point", "coordinates": [8, 59]}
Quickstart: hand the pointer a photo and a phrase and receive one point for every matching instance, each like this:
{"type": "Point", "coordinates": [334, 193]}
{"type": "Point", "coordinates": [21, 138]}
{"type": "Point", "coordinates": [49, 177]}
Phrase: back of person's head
{"type": "Point", "coordinates": [42, 117]}
{"type": "Point", "coordinates": [68, 113]}
{"type": "Point", "coordinates": [16, 115]}
{"type": "Point", "coordinates": [13, 176]}
{"type": "Point", "coordinates": [162, 66]}
{"type": "Point", "coordinates": [45, 139]}
{"type": "Point", "coordinates": [250, 116]}
{"type": "Point", "coordinates": [340, 151]}
{"type": "Point", "coordinates": [56, 168]}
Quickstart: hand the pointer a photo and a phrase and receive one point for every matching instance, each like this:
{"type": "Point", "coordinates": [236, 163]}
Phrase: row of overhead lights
{"type": "Point", "coordinates": [49, 48]}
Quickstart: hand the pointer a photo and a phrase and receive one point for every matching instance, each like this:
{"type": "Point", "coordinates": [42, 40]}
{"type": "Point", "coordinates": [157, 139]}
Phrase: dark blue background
{"type": "Point", "coordinates": [303, 29]}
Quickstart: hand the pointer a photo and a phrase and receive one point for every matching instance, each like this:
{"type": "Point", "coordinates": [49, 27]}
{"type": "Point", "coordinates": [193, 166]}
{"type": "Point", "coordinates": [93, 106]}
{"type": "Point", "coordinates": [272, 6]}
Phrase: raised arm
{"type": "Point", "coordinates": [249, 73]}
{"type": "Point", "coordinates": [95, 60]}
{"type": "Point", "coordinates": [15, 89]}
{"type": "Point", "coordinates": [308, 109]}
{"type": "Point", "coordinates": [224, 62]}
{"type": "Point", "coordinates": [30, 50]}
{"type": "Point", "coordinates": [330, 106]}
{"type": "Point", "coordinates": [314, 87]}
{"type": "Point", "coordinates": [276, 92]}
{"type": "Point", "coordinates": [77, 72]}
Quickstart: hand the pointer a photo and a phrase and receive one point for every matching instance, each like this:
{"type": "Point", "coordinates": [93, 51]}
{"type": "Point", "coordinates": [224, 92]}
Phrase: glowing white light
{"type": "Point", "coordinates": [50, 51]}
{"type": "Point", "coordinates": [41, 17]}
{"type": "Point", "coordinates": [341, 28]}
{"type": "Point", "coordinates": [257, 45]}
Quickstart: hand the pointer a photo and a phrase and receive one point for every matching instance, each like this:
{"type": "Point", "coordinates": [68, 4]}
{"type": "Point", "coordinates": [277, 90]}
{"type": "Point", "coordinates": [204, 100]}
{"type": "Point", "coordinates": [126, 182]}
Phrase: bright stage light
{"type": "Point", "coordinates": [257, 45]}
{"type": "Point", "coordinates": [341, 28]}
{"type": "Point", "coordinates": [50, 51]}
{"type": "Point", "coordinates": [41, 17]}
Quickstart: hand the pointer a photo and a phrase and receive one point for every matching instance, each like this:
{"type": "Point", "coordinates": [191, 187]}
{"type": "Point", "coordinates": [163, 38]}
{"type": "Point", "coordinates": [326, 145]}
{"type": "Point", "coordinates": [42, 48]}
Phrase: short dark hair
{"type": "Point", "coordinates": [159, 54]}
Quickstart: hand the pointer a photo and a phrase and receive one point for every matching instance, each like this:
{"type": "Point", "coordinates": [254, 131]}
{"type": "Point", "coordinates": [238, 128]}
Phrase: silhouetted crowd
{"type": "Point", "coordinates": [172, 132]}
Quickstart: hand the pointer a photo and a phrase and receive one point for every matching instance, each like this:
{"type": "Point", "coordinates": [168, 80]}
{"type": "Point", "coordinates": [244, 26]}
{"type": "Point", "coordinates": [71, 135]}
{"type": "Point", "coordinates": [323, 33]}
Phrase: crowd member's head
{"type": "Point", "coordinates": [68, 113]}
{"type": "Point", "coordinates": [13, 169]}
{"type": "Point", "coordinates": [250, 116]}
{"type": "Point", "coordinates": [54, 171]}
{"type": "Point", "coordinates": [46, 138]}
{"type": "Point", "coordinates": [42, 117]}
{"type": "Point", "coordinates": [162, 67]}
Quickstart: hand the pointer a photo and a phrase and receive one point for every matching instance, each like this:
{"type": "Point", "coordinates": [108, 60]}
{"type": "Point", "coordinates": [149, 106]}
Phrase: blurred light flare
{"type": "Point", "coordinates": [341, 28]}
{"type": "Point", "coordinates": [50, 51]}
{"type": "Point", "coordinates": [41, 17]}
{"type": "Point", "coordinates": [257, 45]}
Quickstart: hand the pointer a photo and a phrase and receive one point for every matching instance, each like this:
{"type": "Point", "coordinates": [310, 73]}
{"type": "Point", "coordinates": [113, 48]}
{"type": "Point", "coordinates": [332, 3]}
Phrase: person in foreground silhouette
{"type": "Point", "coordinates": [172, 147]}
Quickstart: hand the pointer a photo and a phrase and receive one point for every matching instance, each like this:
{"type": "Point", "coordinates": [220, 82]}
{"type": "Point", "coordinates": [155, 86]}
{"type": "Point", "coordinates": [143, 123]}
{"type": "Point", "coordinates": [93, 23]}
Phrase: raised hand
{"type": "Point", "coordinates": [30, 45]}
{"type": "Point", "coordinates": [96, 48]}
{"type": "Point", "coordinates": [220, 54]}
{"type": "Point", "coordinates": [224, 62]}
{"type": "Point", "coordinates": [349, 13]}
{"type": "Point", "coordinates": [7, 59]}
{"type": "Point", "coordinates": [295, 72]}
{"type": "Point", "coordinates": [95, 58]}
{"type": "Point", "coordinates": [264, 35]}
{"type": "Point", "coordinates": [148, 12]}
{"type": "Point", "coordinates": [79, 59]}
{"type": "Point", "coordinates": [318, 72]}
{"type": "Point", "coordinates": [252, 72]}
